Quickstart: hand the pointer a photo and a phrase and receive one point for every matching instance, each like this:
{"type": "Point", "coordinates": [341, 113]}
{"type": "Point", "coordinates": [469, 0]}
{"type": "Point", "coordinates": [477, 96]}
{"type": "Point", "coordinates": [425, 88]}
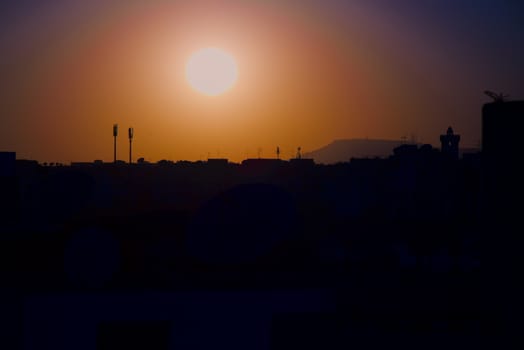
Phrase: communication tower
{"type": "Point", "coordinates": [115, 134]}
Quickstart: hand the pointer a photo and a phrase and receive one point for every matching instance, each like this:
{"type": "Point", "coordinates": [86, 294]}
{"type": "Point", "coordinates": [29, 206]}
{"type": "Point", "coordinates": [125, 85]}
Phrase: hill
{"type": "Point", "coordinates": [344, 150]}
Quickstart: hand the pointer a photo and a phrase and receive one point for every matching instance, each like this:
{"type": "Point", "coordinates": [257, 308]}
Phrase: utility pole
{"type": "Point", "coordinates": [131, 132]}
{"type": "Point", "coordinates": [115, 134]}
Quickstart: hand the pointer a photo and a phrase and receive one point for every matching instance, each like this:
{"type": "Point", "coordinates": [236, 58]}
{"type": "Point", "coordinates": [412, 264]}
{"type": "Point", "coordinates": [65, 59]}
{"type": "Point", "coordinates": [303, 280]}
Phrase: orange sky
{"type": "Point", "coordinates": [307, 76]}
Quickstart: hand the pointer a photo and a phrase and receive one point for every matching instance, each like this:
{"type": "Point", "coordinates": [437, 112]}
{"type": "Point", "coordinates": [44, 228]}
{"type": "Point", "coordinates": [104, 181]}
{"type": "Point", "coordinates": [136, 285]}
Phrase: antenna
{"type": "Point", "coordinates": [278, 152]}
{"type": "Point", "coordinates": [115, 134]}
{"type": "Point", "coordinates": [131, 132]}
{"type": "Point", "coordinates": [496, 97]}
{"type": "Point", "coordinates": [299, 153]}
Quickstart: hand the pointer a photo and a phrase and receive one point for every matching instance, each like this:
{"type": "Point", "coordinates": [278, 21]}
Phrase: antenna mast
{"type": "Point", "coordinates": [115, 134]}
{"type": "Point", "coordinates": [131, 132]}
{"type": "Point", "coordinates": [299, 153]}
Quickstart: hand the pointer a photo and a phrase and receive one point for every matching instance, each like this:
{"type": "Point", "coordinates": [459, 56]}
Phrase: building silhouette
{"type": "Point", "coordinates": [501, 129]}
{"type": "Point", "coordinates": [8, 188]}
{"type": "Point", "coordinates": [7, 163]}
{"type": "Point", "coordinates": [502, 174]}
{"type": "Point", "coordinates": [501, 158]}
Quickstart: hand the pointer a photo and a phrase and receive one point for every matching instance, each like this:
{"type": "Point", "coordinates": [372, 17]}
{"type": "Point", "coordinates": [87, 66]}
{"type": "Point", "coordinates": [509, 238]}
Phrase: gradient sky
{"type": "Point", "coordinates": [309, 72]}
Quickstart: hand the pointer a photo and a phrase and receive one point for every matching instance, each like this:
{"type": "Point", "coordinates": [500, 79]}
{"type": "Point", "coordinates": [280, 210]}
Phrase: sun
{"type": "Point", "coordinates": [211, 71]}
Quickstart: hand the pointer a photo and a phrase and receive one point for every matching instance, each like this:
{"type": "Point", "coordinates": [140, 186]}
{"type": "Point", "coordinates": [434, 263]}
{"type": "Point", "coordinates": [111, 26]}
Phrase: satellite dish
{"type": "Point", "coordinates": [496, 97]}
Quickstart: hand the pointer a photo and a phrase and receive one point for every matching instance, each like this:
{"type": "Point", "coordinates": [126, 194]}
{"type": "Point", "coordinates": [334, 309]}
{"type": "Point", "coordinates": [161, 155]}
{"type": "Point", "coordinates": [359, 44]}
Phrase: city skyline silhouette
{"type": "Point", "coordinates": [257, 174]}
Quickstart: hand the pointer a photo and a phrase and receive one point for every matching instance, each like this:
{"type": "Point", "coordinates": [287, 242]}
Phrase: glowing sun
{"type": "Point", "coordinates": [211, 71]}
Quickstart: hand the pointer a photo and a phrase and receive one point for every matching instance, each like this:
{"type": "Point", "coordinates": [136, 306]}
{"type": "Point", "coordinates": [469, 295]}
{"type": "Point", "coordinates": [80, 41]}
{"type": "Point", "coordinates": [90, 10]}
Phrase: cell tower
{"type": "Point", "coordinates": [299, 153]}
{"type": "Point", "coordinates": [131, 132]}
{"type": "Point", "coordinates": [115, 134]}
{"type": "Point", "coordinates": [278, 152]}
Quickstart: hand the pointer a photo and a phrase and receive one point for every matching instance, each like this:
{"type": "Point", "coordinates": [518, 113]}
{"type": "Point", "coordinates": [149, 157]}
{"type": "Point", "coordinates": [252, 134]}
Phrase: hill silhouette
{"type": "Point", "coordinates": [344, 150]}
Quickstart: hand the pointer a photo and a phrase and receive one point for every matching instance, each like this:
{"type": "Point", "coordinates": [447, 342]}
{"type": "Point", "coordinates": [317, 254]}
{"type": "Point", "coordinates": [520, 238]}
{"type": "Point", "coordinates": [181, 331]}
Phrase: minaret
{"type": "Point", "coordinates": [450, 143]}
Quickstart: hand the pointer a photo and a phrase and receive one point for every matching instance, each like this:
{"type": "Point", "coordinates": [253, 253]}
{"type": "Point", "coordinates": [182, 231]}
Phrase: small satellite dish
{"type": "Point", "coordinates": [496, 97]}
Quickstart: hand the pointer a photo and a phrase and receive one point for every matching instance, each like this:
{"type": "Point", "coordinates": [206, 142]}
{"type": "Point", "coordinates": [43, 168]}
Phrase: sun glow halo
{"type": "Point", "coordinates": [211, 71]}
